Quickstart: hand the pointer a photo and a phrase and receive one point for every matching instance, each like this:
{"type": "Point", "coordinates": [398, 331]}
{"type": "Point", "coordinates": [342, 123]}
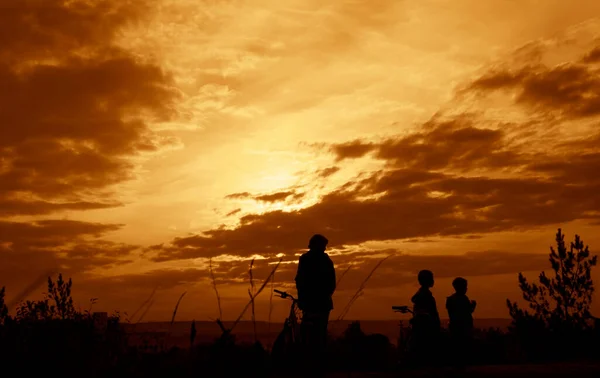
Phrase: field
{"type": "Point", "coordinates": [208, 331]}
{"type": "Point", "coordinates": [574, 369]}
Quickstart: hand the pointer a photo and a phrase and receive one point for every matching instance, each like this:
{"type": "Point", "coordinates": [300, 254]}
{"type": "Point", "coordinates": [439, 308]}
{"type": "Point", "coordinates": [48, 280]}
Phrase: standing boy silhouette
{"type": "Point", "coordinates": [460, 311]}
{"type": "Point", "coordinates": [426, 320]}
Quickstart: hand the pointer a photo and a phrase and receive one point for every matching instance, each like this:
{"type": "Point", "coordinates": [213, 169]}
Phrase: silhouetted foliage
{"type": "Point", "coordinates": [3, 308]}
{"type": "Point", "coordinates": [57, 303]}
{"type": "Point", "coordinates": [51, 332]}
{"type": "Point", "coordinates": [355, 350]}
{"type": "Point", "coordinates": [560, 305]}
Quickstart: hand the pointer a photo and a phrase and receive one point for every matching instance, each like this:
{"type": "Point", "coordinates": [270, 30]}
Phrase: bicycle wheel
{"type": "Point", "coordinates": [281, 347]}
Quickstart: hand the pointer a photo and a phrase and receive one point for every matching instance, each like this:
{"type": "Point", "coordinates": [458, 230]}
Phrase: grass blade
{"type": "Point", "coordinates": [251, 294]}
{"type": "Point", "coordinates": [144, 303]}
{"type": "Point", "coordinates": [256, 295]}
{"type": "Point", "coordinates": [359, 292]}
{"type": "Point", "coordinates": [214, 284]}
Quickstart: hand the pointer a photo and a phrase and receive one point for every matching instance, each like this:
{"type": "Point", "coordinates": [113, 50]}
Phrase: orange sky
{"type": "Point", "coordinates": [141, 137]}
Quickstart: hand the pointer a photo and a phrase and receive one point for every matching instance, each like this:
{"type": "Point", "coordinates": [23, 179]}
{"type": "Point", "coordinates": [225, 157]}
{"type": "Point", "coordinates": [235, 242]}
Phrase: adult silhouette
{"type": "Point", "coordinates": [315, 283]}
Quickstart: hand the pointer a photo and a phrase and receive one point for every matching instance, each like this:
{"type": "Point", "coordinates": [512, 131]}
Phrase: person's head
{"type": "Point", "coordinates": [460, 285]}
{"type": "Point", "coordinates": [425, 278]}
{"type": "Point", "coordinates": [318, 243]}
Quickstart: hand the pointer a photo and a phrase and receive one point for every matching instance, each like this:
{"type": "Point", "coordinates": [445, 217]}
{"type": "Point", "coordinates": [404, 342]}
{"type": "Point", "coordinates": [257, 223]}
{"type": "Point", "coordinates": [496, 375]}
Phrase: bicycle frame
{"type": "Point", "coordinates": [292, 320]}
{"type": "Point", "coordinates": [288, 340]}
{"type": "Point", "coordinates": [404, 337]}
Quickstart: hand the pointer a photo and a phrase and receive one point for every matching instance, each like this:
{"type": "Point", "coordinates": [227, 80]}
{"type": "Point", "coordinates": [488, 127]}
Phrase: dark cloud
{"type": "Point", "coordinates": [12, 207]}
{"type": "Point", "coordinates": [50, 232]}
{"type": "Point", "coordinates": [31, 250]}
{"type": "Point", "coordinates": [397, 270]}
{"type": "Point", "coordinates": [458, 144]}
{"type": "Point", "coordinates": [233, 212]}
{"type": "Point", "coordinates": [570, 89]}
{"type": "Point", "coordinates": [438, 182]}
{"type": "Point", "coordinates": [162, 279]}
{"type": "Point", "coordinates": [69, 101]}
{"type": "Point", "coordinates": [37, 29]}
{"type": "Point", "coordinates": [271, 197]}
{"type": "Point", "coordinates": [403, 204]}
{"type": "Point", "coordinates": [592, 56]}
{"type": "Point", "coordinates": [274, 197]}
{"type": "Point", "coordinates": [238, 195]}
{"type": "Point", "coordinates": [353, 149]}
{"type": "Point", "coordinates": [326, 172]}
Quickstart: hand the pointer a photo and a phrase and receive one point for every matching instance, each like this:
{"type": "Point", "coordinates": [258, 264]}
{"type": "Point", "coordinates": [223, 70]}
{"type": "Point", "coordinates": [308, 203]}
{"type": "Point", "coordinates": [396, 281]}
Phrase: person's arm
{"type": "Point", "coordinates": [436, 315]}
{"type": "Point", "coordinates": [300, 283]}
{"type": "Point", "coordinates": [473, 305]}
{"type": "Point", "coordinates": [300, 276]}
{"type": "Point", "coordinates": [332, 279]}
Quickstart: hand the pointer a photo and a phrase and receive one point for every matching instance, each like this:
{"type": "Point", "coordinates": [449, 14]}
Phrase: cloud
{"type": "Point", "coordinates": [75, 107]}
{"type": "Point", "coordinates": [456, 144]}
{"type": "Point", "coordinates": [404, 204]}
{"type": "Point", "coordinates": [271, 197]}
{"type": "Point", "coordinates": [239, 195]}
{"type": "Point", "coordinates": [463, 172]}
{"type": "Point", "coordinates": [592, 56]}
{"type": "Point", "coordinates": [162, 279]}
{"type": "Point", "coordinates": [397, 270]}
{"type": "Point", "coordinates": [233, 212]}
{"type": "Point", "coordinates": [13, 207]}
{"type": "Point", "coordinates": [29, 250]}
{"type": "Point", "coordinates": [76, 113]}
{"type": "Point", "coordinates": [275, 197]}
{"type": "Point", "coordinates": [353, 149]}
{"type": "Point", "coordinates": [326, 172]}
{"type": "Point", "coordinates": [569, 89]}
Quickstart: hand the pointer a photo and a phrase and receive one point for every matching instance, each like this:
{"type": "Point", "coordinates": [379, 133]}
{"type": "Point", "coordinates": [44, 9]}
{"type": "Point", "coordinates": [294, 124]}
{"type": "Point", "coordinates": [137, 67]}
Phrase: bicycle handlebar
{"type": "Point", "coordinates": [402, 309]}
{"type": "Point", "coordinates": [283, 294]}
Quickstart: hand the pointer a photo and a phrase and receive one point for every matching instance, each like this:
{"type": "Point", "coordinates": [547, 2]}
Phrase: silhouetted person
{"type": "Point", "coordinates": [425, 322]}
{"type": "Point", "coordinates": [460, 311]}
{"type": "Point", "coordinates": [315, 282]}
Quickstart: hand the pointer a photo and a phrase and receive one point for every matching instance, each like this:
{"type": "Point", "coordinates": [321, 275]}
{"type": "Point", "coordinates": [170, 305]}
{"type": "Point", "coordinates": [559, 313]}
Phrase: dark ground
{"type": "Point", "coordinates": [579, 370]}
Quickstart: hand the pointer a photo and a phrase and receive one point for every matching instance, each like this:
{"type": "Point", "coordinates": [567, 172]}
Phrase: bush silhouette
{"type": "Point", "coordinates": [560, 305]}
{"type": "Point", "coordinates": [3, 308]}
{"type": "Point", "coordinates": [355, 350]}
{"type": "Point", "coordinates": [51, 331]}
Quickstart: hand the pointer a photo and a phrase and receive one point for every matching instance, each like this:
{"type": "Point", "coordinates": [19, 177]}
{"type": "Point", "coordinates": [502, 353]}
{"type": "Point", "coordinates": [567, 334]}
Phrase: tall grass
{"type": "Point", "coordinates": [145, 312]}
{"type": "Point", "coordinates": [342, 276]}
{"type": "Point", "coordinates": [360, 290]}
{"type": "Point", "coordinates": [143, 304]}
{"type": "Point", "coordinates": [271, 301]}
{"type": "Point", "coordinates": [214, 285]}
{"type": "Point", "coordinates": [251, 293]}
{"type": "Point", "coordinates": [262, 287]}
{"type": "Point", "coordinates": [173, 318]}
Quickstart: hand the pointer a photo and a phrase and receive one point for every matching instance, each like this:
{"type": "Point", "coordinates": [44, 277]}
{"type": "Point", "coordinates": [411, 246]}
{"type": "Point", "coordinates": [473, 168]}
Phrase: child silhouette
{"type": "Point", "coordinates": [460, 311]}
{"type": "Point", "coordinates": [426, 320]}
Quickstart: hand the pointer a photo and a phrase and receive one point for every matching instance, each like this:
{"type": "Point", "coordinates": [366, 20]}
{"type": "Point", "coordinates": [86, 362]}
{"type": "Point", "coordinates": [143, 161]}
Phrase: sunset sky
{"type": "Point", "coordinates": [139, 138]}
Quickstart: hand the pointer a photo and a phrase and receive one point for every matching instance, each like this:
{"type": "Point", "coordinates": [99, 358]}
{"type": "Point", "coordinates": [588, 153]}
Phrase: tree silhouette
{"type": "Point", "coordinates": [3, 308]}
{"type": "Point", "coordinates": [563, 301]}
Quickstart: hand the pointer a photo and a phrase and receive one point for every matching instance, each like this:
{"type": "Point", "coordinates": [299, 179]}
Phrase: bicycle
{"type": "Point", "coordinates": [287, 343]}
{"type": "Point", "coordinates": [404, 339]}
